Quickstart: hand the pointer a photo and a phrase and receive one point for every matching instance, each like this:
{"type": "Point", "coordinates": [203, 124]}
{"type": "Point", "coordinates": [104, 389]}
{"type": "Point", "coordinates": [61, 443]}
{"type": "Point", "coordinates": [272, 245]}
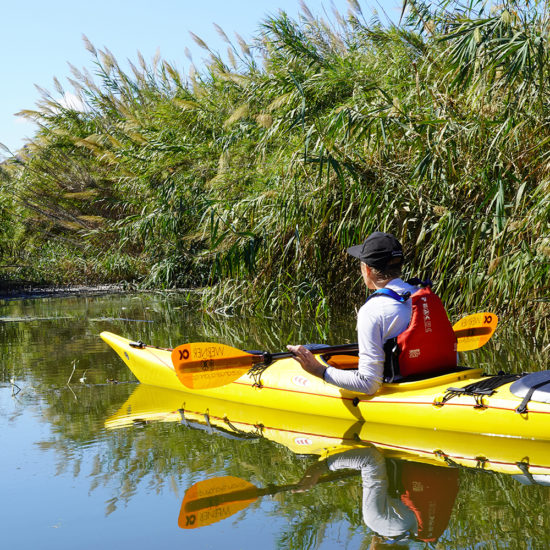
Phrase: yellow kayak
{"type": "Point", "coordinates": [424, 404]}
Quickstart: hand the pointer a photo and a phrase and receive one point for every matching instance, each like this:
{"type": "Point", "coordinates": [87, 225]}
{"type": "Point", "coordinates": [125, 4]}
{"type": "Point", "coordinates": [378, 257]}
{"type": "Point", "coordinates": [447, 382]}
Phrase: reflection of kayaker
{"type": "Point", "coordinates": [401, 499]}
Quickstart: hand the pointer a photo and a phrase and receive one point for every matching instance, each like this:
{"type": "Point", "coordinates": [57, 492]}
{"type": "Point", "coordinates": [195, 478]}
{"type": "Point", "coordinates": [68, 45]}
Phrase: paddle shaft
{"type": "Point", "coordinates": [269, 358]}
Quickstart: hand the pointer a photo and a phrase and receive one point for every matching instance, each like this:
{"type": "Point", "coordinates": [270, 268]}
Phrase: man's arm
{"type": "Point", "coordinates": [352, 379]}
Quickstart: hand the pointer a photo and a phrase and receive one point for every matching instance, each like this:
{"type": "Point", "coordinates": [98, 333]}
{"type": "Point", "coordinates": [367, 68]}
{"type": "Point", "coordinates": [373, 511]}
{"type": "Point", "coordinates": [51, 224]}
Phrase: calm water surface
{"type": "Point", "coordinates": [92, 459]}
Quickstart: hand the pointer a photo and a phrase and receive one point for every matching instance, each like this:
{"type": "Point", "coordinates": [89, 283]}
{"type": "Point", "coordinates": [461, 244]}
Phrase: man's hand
{"type": "Point", "coordinates": [307, 360]}
{"type": "Point", "coordinates": [311, 476]}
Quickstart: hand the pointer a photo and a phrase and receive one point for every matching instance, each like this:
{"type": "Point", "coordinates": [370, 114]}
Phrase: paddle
{"type": "Point", "coordinates": [203, 365]}
{"type": "Point", "coordinates": [475, 330]}
{"type": "Point", "coordinates": [212, 500]}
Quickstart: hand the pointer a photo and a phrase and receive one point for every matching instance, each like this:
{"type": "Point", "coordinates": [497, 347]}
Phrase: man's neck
{"type": "Point", "coordinates": [381, 283]}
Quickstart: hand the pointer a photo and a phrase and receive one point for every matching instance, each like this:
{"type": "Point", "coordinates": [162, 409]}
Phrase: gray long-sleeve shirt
{"type": "Point", "coordinates": [378, 320]}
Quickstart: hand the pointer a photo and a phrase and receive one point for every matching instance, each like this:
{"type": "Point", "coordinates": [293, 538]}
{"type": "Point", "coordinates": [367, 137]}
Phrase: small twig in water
{"type": "Point", "coordinates": [74, 394]}
{"type": "Point", "coordinates": [74, 367]}
{"type": "Point", "coordinates": [13, 386]}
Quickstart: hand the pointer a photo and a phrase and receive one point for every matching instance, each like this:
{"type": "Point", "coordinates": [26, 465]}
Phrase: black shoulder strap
{"type": "Point", "coordinates": [391, 360]}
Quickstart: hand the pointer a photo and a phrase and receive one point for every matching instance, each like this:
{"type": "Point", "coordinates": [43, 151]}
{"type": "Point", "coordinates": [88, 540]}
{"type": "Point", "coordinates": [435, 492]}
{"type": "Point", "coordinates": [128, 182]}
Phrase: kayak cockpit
{"type": "Point", "coordinates": [424, 380]}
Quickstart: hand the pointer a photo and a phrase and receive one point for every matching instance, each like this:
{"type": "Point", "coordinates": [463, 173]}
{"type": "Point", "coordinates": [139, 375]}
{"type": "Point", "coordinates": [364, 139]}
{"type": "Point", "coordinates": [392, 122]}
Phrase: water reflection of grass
{"type": "Point", "coordinates": [496, 511]}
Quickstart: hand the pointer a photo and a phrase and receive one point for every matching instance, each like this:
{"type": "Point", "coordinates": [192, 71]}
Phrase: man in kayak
{"type": "Point", "coordinates": [378, 320]}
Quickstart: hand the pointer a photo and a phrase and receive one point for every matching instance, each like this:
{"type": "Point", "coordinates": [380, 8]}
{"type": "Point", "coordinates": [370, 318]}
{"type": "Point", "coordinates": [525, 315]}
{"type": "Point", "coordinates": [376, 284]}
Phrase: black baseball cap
{"type": "Point", "coordinates": [377, 250]}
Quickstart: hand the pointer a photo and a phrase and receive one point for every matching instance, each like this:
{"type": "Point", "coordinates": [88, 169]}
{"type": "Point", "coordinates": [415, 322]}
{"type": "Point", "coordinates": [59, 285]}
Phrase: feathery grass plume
{"type": "Point", "coordinates": [355, 7]}
{"type": "Point", "coordinates": [306, 11]}
{"type": "Point", "coordinates": [45, 94]}
{"type": "Point", "coordinates": [199, 41]}
{"type": "Point", "coordinates": [231, 57]}
{"type": "Point", "coordinates": [221, 33]}
{"type": "Point", "coordinates": [88, 45]}
{"type": "Point", "coordinates": [156, 61]}
{"type": "Point", "coordinates": [280, 101]}
{"type": "Point", "coordinates": [30, 114]}
{"type": "Point", "coordinates": [243, 45]}
{"type": "Point", "coordinates": [265, 120]}
{"type": "Point", "coordinates": [58, 88]}
{"type": "Point", "coordinates": [240, 80]}
{"type": "Point", "coordinates": [186, 104]}
{"type": "Point", "coordinates": [238, 114]}
{"type": "Point", "coordinates": [107, 61]}
{"type": "Point", "coordinates": [139, 76]}
{"type": "Point", "coordinates": [78, 87]}
{"type": "Point", "coordinates": [193, 78]}
{"type": "Point", "coordinates": [142, 62]}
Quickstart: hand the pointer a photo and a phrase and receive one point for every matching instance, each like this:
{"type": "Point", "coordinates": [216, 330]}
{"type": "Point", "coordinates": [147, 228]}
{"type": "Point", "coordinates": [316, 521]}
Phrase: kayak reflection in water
{"type": "Point", "coordinates": [401, 499]}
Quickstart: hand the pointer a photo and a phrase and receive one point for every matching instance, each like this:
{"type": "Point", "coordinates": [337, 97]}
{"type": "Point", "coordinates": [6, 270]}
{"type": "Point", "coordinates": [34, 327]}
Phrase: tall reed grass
{"type": "Point", "coordinates": [252, 176]}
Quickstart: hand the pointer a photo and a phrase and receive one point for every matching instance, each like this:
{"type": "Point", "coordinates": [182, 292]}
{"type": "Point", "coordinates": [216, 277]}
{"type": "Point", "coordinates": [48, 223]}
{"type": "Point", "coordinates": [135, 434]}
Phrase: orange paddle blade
{"type": "Point", "coordinates": [474, 331]}
{"type": "Point", "coordinates": [203, 365]}
{"type": "Point", "coordinates": [212, 500]}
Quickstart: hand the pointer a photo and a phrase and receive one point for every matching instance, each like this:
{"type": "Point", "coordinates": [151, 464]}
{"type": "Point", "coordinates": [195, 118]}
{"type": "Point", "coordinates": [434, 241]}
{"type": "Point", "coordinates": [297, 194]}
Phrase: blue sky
{"type": "Point", "coordinates": [39, 38]}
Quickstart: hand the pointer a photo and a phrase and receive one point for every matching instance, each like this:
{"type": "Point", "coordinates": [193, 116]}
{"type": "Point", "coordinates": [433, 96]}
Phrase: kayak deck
{"type": "Point", "coordinates": [286, 386]}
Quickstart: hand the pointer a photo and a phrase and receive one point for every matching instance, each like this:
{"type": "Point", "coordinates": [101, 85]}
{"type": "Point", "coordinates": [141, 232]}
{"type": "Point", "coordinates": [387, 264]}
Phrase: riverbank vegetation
{"type": "Point", "coordinates": [249, 177]}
